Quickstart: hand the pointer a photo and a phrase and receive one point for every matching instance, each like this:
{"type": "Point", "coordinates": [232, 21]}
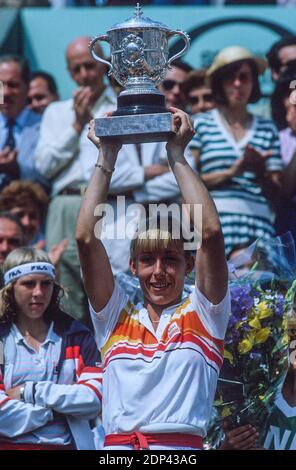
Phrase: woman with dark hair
{"type": "Point", "coordinates": [284, 113]}
{"type": "Point", "coordinates": [237, 153]}
{"type": "Point", "coordinates": [49, 374]}
{"type": "Point", "coordinates": [281, 104]}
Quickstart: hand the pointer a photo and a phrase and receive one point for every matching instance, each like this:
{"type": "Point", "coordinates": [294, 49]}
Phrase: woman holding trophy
{"type": "Point", "coordinates": [161, 359]}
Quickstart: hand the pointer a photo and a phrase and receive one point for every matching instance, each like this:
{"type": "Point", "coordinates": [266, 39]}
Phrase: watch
{"type": "Point", "coordinates": [22, 393]}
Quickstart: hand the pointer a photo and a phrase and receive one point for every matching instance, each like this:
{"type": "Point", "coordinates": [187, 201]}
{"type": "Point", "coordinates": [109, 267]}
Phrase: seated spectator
{"type": "Point", "coordinates": [42, 91]}
{"type": "Point", "coordinates": [171, 85]}
{"type": "Point", "coordinates": [198, 95]}
{"type": "Point", "coordinates": [286, 216]}
{"type": "Point", "coordinates": [238, 154]}
{"type": "Point", "coordinates": [28, 201]}
{"type": "Point", "coordinates": [280, 99]}
{"type": "Point", "coordinates": [50, 382]}
{"type": "Point", "coordinates": [281, 425]}
{"type": "Point", "coordinates": [11, 235]}
{"type": "Point", "coordinates": [281, 52]}
{"type": "Point", "coordinates": [19, 126]}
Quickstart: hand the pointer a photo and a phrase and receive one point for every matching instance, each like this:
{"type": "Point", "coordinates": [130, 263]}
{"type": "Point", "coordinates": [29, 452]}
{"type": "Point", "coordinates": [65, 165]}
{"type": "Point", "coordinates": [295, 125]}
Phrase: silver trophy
{"type": "Point", "coordinates": [139, 61]}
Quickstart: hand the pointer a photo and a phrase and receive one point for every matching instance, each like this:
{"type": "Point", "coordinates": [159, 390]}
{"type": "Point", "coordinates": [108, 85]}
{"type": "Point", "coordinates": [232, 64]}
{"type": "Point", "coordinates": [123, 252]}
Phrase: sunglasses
{"type": "Point", "coordinates": [243, 77]}
{"type": "Point", "coordinates": [207, 97]}
{"type": "Point", "coordinates": [12, 241]}
{"type": "Point", "coordinates": [169, 84]}
{"type": "Point", "coordinates": [36, 97]}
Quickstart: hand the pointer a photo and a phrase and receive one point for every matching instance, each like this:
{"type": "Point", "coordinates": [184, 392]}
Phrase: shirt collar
{"type": "Point", "coordinates": [51, 337]}
{"type": "Point", "coordinates": [20, 120]}
{"type": "Point", "coordinates": [167, 312]}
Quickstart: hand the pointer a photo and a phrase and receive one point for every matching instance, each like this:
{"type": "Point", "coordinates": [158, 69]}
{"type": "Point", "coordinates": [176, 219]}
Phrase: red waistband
{"type": "Point", "coordinates": [19, 446]}
{"type": "Point", "coordinates": [141, 441]}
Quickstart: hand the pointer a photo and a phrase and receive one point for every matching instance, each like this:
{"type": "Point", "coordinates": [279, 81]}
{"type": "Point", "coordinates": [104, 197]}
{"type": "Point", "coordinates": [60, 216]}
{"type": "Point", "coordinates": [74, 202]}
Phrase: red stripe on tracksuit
{"type": "Point", "coordinates": [72, 352]}
{"type": "Point", "coordinates": [93, 388]}
{"type": "Point", "coordinates": [5, 401]}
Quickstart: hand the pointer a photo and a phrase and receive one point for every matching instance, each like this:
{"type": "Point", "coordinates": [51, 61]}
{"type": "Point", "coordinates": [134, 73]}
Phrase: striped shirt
{"type": "Point", "coordinates": [164, 380]}
{"type": "Point", "coordinates": [219, 151]}
{"type": "Point", "coordinates": [242, 206]}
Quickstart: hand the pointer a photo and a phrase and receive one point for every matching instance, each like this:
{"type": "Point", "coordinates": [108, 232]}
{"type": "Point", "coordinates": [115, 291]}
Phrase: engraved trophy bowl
{"type": "Point", "coordinates": [139, 61]}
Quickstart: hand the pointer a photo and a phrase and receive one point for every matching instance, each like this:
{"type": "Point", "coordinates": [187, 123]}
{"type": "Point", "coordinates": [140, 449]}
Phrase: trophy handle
{"type": "Point", "coordinates": [91, 47]}
{"type": "Point", "coordinates": [186, 39]}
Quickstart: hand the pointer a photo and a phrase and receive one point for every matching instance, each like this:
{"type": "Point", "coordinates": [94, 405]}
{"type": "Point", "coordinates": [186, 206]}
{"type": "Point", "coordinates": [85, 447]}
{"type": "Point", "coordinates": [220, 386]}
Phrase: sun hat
{"type": "Point", "coordinates": [232, 54]}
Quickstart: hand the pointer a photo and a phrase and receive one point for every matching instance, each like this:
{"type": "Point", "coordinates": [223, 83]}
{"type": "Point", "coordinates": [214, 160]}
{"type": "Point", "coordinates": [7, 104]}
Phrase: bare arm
{"type": "Point", "coordinates": [211, 268]}
{"type": "Point", "coordinates": [212, 180]}
{"type": "Point", "coordinates": [97, 273]}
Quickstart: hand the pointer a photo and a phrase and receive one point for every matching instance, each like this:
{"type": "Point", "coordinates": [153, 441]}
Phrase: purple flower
{"type": "Point", "coordinates": [232, 336]}
{"type": "Point", "coordinates": [242, 300]}
{"type": "Point", "coordinates": [279, 305]}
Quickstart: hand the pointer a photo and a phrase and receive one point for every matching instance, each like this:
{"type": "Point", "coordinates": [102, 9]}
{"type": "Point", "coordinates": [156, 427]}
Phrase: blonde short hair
{"type": "Point", "coordinates": [155, 234]}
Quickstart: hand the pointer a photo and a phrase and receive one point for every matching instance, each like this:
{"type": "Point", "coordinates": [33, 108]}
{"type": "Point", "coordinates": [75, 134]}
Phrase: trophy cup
{"type": "Point", "coordinates": [139, 61]}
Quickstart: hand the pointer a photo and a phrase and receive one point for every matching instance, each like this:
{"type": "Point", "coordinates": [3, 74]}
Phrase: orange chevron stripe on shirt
{"type": "Point", "coordinates": [131, 338]}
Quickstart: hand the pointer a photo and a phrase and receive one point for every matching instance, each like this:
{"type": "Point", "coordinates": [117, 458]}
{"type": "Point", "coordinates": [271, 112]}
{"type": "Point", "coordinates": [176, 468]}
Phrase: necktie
{"type": "Point", "coordinates": [10, 140]}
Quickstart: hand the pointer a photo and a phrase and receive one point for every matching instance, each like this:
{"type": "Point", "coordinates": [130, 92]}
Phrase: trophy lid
{"type": "Point", "coordinates": [138, 21]}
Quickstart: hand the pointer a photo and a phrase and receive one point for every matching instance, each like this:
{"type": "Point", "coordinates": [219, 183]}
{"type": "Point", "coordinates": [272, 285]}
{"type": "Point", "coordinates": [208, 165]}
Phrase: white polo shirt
{"type": "Point", "coordinates": [161, 381]}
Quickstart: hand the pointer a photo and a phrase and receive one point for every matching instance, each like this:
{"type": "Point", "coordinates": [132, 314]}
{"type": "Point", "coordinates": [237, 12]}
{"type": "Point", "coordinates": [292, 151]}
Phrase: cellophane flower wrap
{"type": "Point", "coordinates": [255, 355]}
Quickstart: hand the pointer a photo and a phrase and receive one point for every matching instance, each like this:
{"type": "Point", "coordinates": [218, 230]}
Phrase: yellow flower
{"type": "Point", "coordinates": [218, 402]}
{"type": "Point", "coordinates": [226, 411]}
{"type": "Point", "coordinates": [245, 346]}
{"type": "Point", "coordinates": [285, 340]}
{"type": "Point", "coordinates": [262, 335]}
{"type": "Point", "coordinates": [255, 323]}
{"type": "Point", "coordinates": [263, 310]}
{"type": "Point", "coordinates": [238, 325]}
{"type": "Point", "coordinates": [228, 355]}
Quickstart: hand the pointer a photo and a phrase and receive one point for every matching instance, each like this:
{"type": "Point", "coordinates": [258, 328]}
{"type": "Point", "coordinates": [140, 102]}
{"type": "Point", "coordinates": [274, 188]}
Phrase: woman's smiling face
{"type": "Point", "coordinates": [162, 274]}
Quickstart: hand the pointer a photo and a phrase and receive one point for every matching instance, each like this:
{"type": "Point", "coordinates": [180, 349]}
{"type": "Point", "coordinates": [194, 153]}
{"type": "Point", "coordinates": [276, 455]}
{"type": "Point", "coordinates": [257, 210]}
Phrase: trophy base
{"type": "Point", "coordinates": [137, 128]}
{"type": "Point", "coordinates": [142, 103]}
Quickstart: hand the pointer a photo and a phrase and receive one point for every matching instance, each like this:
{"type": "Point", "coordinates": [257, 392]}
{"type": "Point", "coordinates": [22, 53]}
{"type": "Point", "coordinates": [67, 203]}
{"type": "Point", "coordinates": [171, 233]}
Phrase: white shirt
{"type": "Point", "coordinates": [62, 155]}
{"type": "Point", "coordinates": [161, 381]}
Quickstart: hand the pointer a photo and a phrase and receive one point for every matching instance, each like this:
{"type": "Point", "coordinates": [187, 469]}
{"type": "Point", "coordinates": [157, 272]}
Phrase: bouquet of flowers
{"type": "Point", "coordinates": [255, 356]}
